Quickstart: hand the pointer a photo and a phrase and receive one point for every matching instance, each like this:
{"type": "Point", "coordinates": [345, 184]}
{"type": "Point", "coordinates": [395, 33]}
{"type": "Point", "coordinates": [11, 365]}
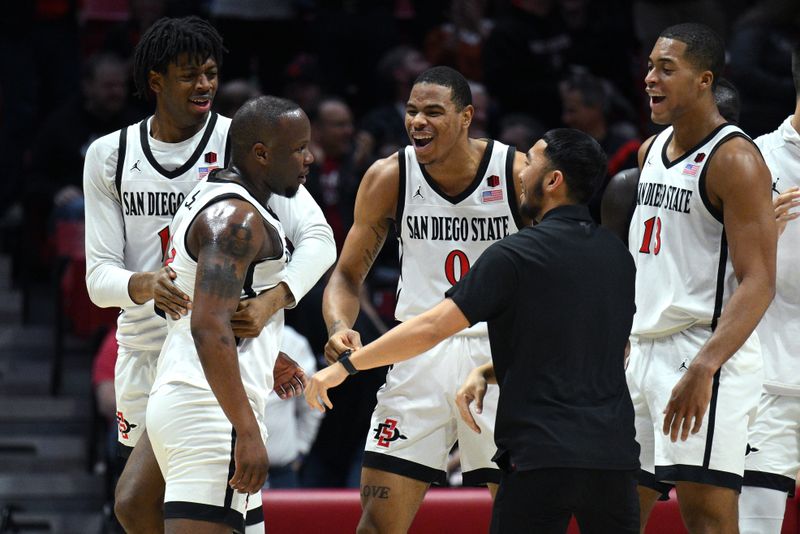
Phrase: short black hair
{"type": "Point", "coordinates": [726, 95]}
{"type": "Point", "coordinates": [579, 158]}
{"type": "Point", "coordinates": [167, 39]}
{"type": "Point", "coordinates": [256, 122]}
{"type": "Point", "coordinates": [460, 95]}
{"type": "Point", "coordinates": [704, 47]}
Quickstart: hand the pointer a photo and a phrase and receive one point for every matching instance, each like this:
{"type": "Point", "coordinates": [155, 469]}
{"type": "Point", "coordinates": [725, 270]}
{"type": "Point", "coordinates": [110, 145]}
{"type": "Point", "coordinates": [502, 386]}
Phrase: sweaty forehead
{"type": "Point", "coordinates": [430, 94]}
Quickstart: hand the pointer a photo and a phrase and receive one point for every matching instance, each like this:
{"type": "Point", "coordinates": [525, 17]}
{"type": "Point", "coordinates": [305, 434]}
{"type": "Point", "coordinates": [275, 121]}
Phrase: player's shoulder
{"type": "Point", "coordinates": [385, 171]}
{"type": "Point", "coordinates": [223, 123]}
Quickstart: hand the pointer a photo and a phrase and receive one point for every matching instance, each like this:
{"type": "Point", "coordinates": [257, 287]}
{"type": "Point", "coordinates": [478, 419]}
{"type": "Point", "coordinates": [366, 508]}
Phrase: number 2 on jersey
{"type": "Point", "coordinates": [456, 266]}
{"type": "Point", "coordinates": [653, 223]}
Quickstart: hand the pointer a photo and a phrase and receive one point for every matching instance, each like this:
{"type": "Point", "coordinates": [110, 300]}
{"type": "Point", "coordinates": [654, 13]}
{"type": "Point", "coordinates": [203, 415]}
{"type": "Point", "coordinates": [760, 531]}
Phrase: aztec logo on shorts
{"type": "Point", "coordinates": [387, 432]}
{"type": "Point", "coordinates": [124, 425]}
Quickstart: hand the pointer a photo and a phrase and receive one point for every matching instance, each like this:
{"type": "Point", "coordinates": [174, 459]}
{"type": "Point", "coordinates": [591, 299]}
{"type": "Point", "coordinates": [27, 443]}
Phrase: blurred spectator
{"type": "Point", "coordinates": [103, 380]}
{"type": "Point", "coordinates": [383, 130]}
{"type": "Point", "coordinates": [586, 106]}
{"type": "Point", "coordinates": [520, 130]}
{"type": "Point", "coordinates": [333, 179]}
{"type": "Point", "coordinates": [303, 82]}
{"type": "Point", "coordinates": [56, 168]}
{"type": "Point", "coordinates": [760, 63]}
{"type": "Point", "coordinates": [231, 95]}
{"type": "Point", "coordinates": [260, 36]}
{"type": "Point", "coordinates": [525, 57]}
{"type": "Point", "coordinates": [458, 42]}
{"type": "Point", "coordinates": [479, 127]}
{"type": "Point", "coordinates": [291, 424]}
{"type": "Point", "coordinates": [609, 22]}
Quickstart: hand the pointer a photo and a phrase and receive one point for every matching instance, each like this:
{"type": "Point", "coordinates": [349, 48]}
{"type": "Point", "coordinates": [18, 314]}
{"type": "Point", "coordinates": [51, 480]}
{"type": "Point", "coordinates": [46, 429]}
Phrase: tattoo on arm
{"type": "Point", "coordinates": [219, 280]}
{"type": "Point", "coordinates": [236, 240]}
{"type": "Point", "coordinates": [380, 230]}
{"type": "Point", "coordinates": [377, 492]}
{"type": "Point", "coordinates": [334, 327]}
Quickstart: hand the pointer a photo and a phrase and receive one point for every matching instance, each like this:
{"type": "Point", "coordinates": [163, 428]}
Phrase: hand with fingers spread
{"type": "Point", "coordinates": [289, 378]}
{"type": "Point", "coordinates": [786, 206]}
{"type": "Point", "coordinates": [688, 403]}
{"type": "Point", "coordinates": [339, 342]}
{"type": "Point", "coordinates": [252, 463]}
{"type": "Point", "coordinates": [167, 296]}
{"type": "Point", "coordinates": [321, 382]}
{"type": "Point", "coordinates": [473, 389]}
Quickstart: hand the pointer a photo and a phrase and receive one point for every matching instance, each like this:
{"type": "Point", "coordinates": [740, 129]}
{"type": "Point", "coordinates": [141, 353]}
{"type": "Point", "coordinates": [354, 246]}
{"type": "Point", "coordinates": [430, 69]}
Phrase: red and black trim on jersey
{"type": "Point", "coordinates": [144, 137]}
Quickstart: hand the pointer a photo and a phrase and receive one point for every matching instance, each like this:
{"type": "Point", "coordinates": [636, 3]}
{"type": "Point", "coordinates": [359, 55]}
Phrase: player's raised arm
{"type": "Point", "coordinates": [375, 207]}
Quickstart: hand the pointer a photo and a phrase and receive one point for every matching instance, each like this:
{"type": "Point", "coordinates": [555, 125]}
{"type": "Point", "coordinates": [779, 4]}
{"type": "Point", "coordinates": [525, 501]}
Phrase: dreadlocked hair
{"type": "Point", "coordinates": [167, 39]}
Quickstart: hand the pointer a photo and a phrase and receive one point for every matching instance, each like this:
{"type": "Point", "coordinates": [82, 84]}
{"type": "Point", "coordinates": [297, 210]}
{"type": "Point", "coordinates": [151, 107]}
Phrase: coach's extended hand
{"type": "Point", "coordinates": [320, 383]}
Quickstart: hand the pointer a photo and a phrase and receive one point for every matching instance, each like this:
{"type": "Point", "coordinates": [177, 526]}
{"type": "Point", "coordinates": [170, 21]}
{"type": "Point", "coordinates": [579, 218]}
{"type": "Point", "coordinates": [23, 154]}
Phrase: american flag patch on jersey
{"type": "Point", "coordinates": [495, 195]}
{"type": "Point", "coordinates": [205, 170]}
{"type": "Point", "coordinates": [691, 169]}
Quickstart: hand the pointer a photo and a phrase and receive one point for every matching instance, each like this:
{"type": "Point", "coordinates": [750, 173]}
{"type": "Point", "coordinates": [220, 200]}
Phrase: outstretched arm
{"type": "Point", "coordinates": [375, 205]}
{"type": "Point", "coordinates": [402, 342]}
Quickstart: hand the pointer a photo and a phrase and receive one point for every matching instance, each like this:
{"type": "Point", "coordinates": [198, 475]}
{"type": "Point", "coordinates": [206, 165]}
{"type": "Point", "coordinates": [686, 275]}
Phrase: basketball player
{"type": "Point", "coordinates": [206, 410]}
{"type": "Point", "coordinates": [773, 456]}
{"type": "Point", "coordinates": [134, 181]}
{"type": "Point", "coordinates": [449, 197]}
{"type": "Point", "coordinates": [619, 198]}
{"type": "Point", "coordinates": [703, 239]}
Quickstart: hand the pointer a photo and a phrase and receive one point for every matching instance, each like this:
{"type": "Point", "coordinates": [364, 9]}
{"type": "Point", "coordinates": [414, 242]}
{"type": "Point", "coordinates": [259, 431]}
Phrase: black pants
{"type": "Point", "coordinates": [542, 501]}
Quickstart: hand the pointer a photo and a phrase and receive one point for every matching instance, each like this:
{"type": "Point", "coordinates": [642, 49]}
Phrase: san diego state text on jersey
{"type": "Point", "coordinates": [440, 228]}
{"type": "Point", "coordinates": [150, 203]}
{"type": "Point", "coordinates": [669, 197]}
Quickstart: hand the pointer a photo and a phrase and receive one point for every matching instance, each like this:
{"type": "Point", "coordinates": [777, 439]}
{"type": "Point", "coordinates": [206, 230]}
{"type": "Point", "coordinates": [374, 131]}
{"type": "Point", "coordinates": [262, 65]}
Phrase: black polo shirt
{"type": "Point", "coordinates": [559, 302]}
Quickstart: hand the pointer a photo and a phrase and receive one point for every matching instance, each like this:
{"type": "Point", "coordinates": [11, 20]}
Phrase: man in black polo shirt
{"type": "Point", "coordinates": [559, 301]}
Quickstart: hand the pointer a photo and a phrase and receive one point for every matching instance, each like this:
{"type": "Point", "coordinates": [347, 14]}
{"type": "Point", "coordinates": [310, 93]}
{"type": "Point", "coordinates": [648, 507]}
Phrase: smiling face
{"type": "Point", "coordinates": [532, 177]}
{"type": "Point", "coordinates": [433, 123]}
{"type": "Point", "coordinates": [288, 155]}
{"type": "Point", "coordinates": [673, 83]}
{"type": "Point", "coordinates": [187, 88]}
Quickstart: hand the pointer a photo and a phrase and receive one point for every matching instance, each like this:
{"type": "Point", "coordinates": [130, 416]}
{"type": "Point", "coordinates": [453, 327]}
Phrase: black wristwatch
{"type": "Point", "coordinates": [344, 359]}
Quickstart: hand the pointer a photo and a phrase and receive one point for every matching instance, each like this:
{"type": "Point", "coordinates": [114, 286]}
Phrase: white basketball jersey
{"type": "Point", "coordinates": [179, 361]}
{"type": "Point", "coordinates": [441, 236]}
{"type": "Point", "coordinates": [684, 275]}
{"type": "Point", "coordinates": [779, 330]}
{"type": "Point", "coordinates": [150, 192]}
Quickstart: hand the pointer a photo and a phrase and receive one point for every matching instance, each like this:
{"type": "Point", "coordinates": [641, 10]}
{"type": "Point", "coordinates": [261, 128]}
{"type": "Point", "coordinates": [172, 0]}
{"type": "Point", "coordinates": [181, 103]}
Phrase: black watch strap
{"type": "Point", "coordinates": [344, 359]}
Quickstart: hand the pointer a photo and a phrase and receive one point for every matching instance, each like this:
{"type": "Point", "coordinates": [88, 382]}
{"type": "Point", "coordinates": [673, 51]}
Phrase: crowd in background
{"type": "Point", "coordinates": [533, 65]}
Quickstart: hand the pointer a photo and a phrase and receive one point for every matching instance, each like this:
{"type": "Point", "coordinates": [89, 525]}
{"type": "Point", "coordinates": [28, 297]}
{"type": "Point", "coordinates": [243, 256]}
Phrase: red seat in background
{"type": "Point", "coordinates": [444, 511]}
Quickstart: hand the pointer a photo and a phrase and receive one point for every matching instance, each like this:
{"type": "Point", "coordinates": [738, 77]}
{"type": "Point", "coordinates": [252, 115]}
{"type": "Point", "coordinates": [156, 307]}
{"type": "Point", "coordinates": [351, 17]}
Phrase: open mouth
{"type": "Point", "coordinates": [201, 102]}
{"type": "Point", "coordinates": [421, 142]}
{"type": "Point", "coordinates": [657, 99]}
